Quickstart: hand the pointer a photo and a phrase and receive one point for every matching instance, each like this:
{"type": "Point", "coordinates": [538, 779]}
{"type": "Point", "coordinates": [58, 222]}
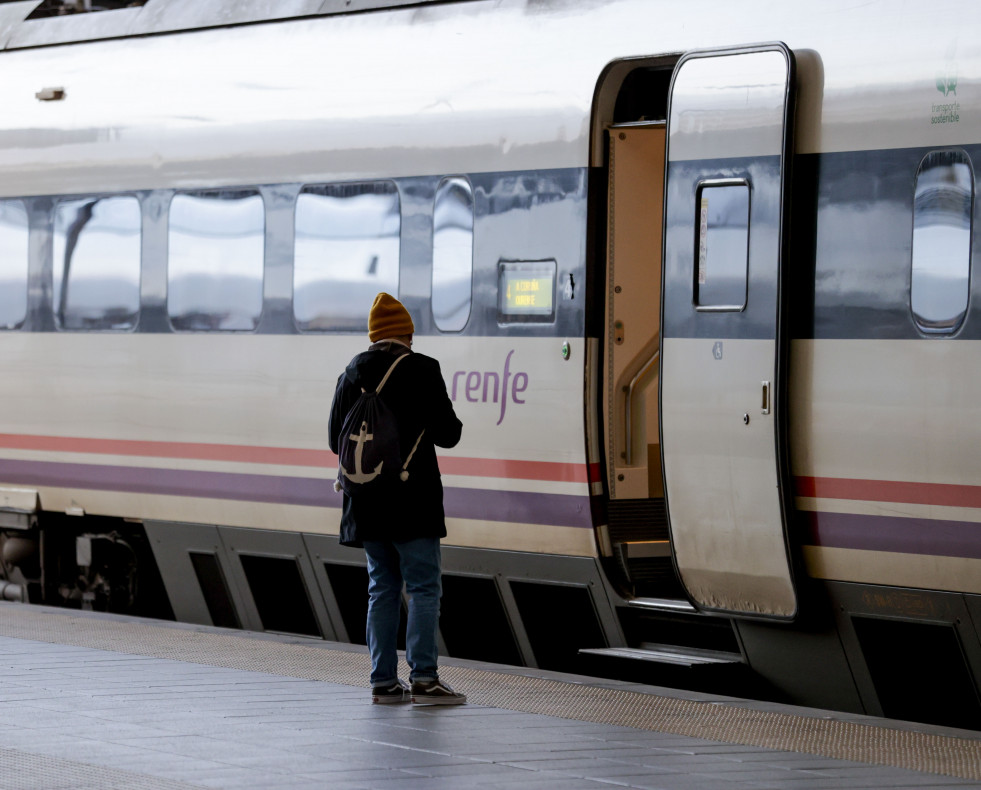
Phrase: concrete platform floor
{"type": "Point", "coordinates": [93, 701]}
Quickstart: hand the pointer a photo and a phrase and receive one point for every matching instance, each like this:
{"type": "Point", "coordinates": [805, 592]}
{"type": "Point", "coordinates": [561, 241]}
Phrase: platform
{"type": "Point", "coordinates": [90, 701]}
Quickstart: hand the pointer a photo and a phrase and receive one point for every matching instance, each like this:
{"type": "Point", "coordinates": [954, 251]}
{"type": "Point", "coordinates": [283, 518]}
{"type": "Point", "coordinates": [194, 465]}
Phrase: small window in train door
{"type": "Point", "coordinates": [943, 208]}
{"type": "Point", "coordinates": [721, 245]}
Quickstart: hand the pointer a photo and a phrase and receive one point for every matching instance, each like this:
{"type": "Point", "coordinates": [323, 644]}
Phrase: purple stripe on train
{"type": "Point", "coordinates": [889, 533]}
{"type": "Point", "coordinates": [509, 506]}
{"type": "Point", "coordinates": [558, 510]}
{"type": "Point", "coordinates": [173, 482]}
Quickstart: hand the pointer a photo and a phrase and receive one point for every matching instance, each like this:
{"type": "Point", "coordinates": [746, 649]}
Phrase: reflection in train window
{"type": "Point", "coordinates": [97, 262]}
{"type": "Point", "coordinates": [941, 268]}
{"type": "Point", "coordinates": [216, 245]}
{"type": "Point", "coordinates": [722, 246]}
{"type": "Point", "coordinates": [346, 251]}
{"type": "Point", "coordinates": [13, 264]}
{"type": "Point", "coordinates": [452, 254]}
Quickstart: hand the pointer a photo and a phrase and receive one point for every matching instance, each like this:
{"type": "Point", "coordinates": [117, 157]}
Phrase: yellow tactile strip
{"type": "Point", "coordinates": [25, 771]}
{"type": "Point", "coordinates": [828, 737]}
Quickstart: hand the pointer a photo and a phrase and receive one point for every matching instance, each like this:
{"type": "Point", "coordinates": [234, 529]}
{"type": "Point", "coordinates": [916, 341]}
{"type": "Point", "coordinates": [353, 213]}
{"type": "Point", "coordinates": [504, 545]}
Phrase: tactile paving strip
{"type": "Point", "coordinates": [828, 737]}
{"type": "Point", "coordinates": [25, 771]}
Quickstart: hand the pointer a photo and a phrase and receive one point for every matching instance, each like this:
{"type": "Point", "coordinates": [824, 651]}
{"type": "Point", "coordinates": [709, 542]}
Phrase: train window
{"type": "Point", "coordinates": [942, 211]}
{"type": "Point", "coordinates": [13, 264]}
{"type": "Point", "coordinates": [346, 251]}
{"type": "Point", "coordinates": [216, 246]}
{"type": "Point", "coordinates": [452, 254]}
{"type": "Point", "coordinates": [722, 245]}
{"type": "Point", "coordinates": [97, 246]}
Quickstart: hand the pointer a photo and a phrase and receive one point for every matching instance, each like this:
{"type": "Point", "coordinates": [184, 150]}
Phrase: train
{"type": "Point", "coordinates": [699, 279]}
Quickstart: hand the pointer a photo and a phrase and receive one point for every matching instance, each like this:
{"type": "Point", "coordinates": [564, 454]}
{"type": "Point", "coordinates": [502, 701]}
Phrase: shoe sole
{"type": "Point", "coordinates": [388, 700]}
{"type": "Point", "coordinates": [438, 700]}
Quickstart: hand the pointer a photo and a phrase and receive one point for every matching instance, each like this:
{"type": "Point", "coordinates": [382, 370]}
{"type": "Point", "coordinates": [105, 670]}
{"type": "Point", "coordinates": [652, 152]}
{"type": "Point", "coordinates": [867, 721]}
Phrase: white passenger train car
{"type": "Point", "coordinates": [700, 280]}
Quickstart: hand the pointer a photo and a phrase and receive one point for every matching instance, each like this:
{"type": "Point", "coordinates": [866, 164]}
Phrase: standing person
{"type": "Point", "coordinates": [400, 521]}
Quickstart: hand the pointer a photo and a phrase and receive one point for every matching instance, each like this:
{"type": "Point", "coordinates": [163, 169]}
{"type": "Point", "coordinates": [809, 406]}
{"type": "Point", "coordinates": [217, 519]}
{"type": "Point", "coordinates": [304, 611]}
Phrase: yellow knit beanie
{"type": "Point", "coordinates": [388, 318]}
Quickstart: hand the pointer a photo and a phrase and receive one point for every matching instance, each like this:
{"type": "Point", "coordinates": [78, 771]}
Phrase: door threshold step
{"type": "Point", "coordinates": [645, 549]}
{"type": "Point", "coordinates": [666, 655]}
{"type": "Point", "coordinates": [663, 604]}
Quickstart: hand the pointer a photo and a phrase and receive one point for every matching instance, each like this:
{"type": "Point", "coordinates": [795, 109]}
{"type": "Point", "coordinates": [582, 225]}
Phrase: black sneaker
{"type": "Point", "coordinates": [390, 695]}
{"type": "Point", "coordinates": [435, 692]}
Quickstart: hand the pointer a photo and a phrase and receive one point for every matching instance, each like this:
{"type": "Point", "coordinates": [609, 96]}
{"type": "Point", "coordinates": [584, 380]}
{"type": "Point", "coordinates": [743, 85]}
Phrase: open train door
{"type": "Point", "coordinates": [723, 347]}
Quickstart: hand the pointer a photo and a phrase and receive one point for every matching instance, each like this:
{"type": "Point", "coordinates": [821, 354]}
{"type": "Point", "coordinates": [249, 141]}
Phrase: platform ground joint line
{"type": "Point", "coordinates": [718, 721]}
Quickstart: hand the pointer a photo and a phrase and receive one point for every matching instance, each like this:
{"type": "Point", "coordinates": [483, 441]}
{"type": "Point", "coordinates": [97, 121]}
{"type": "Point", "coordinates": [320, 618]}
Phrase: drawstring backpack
{"type": "Point", "coordinates": [368, 450]}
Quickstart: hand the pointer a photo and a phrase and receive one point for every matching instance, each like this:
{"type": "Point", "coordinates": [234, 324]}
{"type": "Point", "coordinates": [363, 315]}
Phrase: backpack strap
{"type": "Point", "coordinates": [381, 384]}
{"type": "Point", "coordinates": [404, 474]}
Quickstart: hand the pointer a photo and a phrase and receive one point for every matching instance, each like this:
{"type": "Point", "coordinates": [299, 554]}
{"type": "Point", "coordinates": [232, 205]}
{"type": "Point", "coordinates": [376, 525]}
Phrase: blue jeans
{"type": "Point", "coordinates": [417, 563]}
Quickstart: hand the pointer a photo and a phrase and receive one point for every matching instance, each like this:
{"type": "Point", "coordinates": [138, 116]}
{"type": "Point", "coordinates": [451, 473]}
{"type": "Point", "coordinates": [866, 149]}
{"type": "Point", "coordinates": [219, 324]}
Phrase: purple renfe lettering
{"type": "Point", "coordinates": [516, 388]}
{"type": "Point", "coordinates": [504, 388]}
{"type": "Point", "coordinates": [472, 376]}
{"type": "Point", "coordinates": [487, 377]}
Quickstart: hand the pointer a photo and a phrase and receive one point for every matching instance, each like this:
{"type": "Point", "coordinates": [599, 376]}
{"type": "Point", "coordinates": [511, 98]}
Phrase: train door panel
{"type": "Point", "coordinates": [722, 374]}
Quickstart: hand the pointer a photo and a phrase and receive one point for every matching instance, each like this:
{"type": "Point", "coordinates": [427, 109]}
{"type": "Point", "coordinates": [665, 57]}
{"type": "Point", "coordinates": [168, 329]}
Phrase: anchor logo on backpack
{"type": "Point", "coordinates": [370, 440]}
{"type": "Point", "coordinates": [360, 476]}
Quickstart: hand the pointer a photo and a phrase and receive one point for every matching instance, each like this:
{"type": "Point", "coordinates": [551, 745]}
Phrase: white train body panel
{"type": "Point", "coordinates": [257, 422]}
{"type": "Point", "coordinates": [888, 429]}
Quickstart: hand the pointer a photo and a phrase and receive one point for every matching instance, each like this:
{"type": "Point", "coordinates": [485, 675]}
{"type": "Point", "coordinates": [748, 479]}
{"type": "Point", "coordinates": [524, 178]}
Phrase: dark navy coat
{"type": "Point", "coordinates": [416, 395]}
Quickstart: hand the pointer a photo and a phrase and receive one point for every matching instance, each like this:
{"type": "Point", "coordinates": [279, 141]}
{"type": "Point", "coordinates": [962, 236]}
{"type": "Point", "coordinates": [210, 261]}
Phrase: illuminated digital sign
{"type": "Point", "coordinates": [528, 294]}
{"type": "Point", "coordinates": [526, 291]}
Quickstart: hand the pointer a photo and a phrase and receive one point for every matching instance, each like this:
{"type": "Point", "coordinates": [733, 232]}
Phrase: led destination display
{"type": "Point", "coordinates": [526, 290]}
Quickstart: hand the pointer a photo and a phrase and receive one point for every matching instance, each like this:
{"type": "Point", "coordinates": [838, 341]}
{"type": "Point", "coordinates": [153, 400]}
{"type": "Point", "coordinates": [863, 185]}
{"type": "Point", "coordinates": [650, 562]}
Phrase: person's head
{"type": "Point", "coordinates": [389, 318]}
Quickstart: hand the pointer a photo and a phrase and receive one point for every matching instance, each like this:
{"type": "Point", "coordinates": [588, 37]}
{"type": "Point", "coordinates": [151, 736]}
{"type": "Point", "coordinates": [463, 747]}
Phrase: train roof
{"type": "Point", "coordinates": [39, 23]}
{"type": "Point", "coordinates": [434, 88]}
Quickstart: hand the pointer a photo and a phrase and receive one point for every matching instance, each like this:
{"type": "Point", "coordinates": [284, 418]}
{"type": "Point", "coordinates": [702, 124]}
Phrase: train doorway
{"type": "Point", "coordinates": [637, 526]}
{"type": "Point", "coordinates": [693, 375]}
{"type": "Point", "coordinates": [635, 538]}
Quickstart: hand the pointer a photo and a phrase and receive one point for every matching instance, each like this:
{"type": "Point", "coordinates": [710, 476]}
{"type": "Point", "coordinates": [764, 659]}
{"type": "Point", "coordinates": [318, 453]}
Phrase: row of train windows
{"type": "Point", "coordinates": [943, 208]}
{"type": "Point", "coordinates": [346, 250]}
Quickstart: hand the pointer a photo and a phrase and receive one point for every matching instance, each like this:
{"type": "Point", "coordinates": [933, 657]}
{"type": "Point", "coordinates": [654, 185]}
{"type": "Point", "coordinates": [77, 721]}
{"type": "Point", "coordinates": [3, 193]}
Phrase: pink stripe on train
{"type": "Point", "coordinates": [288, 456]}
{"type": "Point", "coordinates": [944, 494]}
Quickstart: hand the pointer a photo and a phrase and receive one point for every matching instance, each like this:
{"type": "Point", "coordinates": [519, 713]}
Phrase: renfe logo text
{"type": "Point", "coordinates": [479, 387]}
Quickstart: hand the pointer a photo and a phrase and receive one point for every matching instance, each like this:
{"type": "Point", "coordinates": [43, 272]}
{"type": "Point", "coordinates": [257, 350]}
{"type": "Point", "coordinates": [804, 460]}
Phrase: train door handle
{"type": "Point", "coordinates": [765, 405]}
{"type": "Point", "coordinates": [628, 392]}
